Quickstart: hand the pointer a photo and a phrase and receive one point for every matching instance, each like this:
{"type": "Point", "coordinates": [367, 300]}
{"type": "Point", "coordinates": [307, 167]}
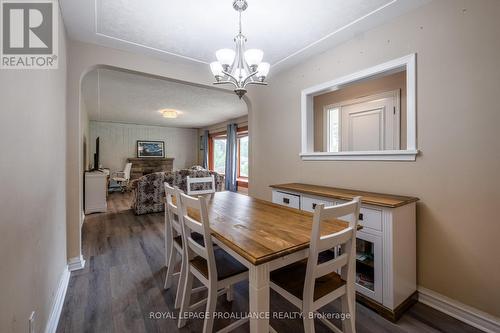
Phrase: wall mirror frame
{"type": "Point", "coordinates": [407, 63]}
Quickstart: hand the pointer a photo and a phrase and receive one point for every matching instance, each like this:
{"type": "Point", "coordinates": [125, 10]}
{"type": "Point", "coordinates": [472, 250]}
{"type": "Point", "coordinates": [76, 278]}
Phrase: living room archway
{"type": "Point", "coordinates": [76, 159]}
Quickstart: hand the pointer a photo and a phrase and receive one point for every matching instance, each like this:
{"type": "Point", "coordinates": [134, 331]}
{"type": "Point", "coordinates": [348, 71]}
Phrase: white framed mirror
{"type": "Point", "coordinates": [367, 115]}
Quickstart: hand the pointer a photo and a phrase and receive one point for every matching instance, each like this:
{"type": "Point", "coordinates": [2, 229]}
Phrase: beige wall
{"type": "Point", "coordinates": [396, 81]}
{"type": "Point", "coordinates": [220, 127]}
{"type": "Point", "coordinates": [456, 175]}
{"type": "Point", "coordinates": [117, 142]}
{"type": "Point", "coordinates": [32, 192]}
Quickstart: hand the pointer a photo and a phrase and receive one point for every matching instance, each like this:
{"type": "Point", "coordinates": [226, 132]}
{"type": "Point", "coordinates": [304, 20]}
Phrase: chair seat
{"type": "Point", "coordinates": [291, 278]}
{"type": "Point", "coordinates": [226, 265]}
{"type": "Point", "coordinates": [198, 238]}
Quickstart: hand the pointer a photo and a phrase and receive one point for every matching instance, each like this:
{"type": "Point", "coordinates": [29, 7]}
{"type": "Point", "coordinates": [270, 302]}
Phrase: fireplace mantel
{"type": "Point", "coordinates": [145, 165]}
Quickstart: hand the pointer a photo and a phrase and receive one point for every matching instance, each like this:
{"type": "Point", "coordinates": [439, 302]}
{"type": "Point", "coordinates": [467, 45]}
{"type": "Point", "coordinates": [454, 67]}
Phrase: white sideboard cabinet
{"type": "Point", "coordinates": [96, 187]}
{"type": "Point", "coordinates": [386, 267]}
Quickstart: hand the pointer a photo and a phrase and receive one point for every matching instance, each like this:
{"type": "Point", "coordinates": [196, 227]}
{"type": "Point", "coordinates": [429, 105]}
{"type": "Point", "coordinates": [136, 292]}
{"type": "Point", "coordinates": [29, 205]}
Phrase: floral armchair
{"type": "Point", "coordinates": [149, 194]}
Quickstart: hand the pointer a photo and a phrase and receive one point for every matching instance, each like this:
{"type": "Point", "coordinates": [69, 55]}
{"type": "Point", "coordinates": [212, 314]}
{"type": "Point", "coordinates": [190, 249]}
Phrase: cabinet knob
{"type": "Point", "coordinates": [286, 200]}
{"type": "Point", "coordinates": [314, 206]}
{"type": "Point", "coordinates": [360, 217]}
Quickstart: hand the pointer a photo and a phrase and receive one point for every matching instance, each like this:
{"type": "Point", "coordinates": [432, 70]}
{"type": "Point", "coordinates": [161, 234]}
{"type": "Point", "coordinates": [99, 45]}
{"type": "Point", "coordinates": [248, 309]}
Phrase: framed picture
{"type": "Point", "coordinates": [150, 149]}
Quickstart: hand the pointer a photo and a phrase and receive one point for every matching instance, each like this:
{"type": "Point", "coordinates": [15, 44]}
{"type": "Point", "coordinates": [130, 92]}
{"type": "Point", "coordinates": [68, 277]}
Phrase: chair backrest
{"type": "Point", "coordinates": [346, 239]}
{"type": "Point", "coordinates": [194, 218]}
{"type": "Point", "coordinates": [126, 171]}
{"type": "Point", "coordinates": [200, 180]}
{"type": "Point", "coordinates": [172, 210]}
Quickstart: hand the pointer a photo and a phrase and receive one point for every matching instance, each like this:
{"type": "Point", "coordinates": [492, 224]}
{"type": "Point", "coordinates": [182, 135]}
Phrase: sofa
{"type": "Point", "coordinates": [148, 193]}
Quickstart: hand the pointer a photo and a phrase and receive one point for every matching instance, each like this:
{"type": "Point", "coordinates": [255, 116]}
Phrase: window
{"type": "Point", "coordinates": [243, 156]}
{"type": "Point", "coordinates": [219, 155]}
{"type": "Point", "coordinates": [333, 132]}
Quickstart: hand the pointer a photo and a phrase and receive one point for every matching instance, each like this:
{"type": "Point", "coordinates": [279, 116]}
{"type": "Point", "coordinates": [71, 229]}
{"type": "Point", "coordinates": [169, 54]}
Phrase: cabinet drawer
{"type": "Point", "coordinates": [368, 217]}
{"type": "Point", "coordinates": [308, 203]}
{"type": "Point", "coordinates": [286, 199]}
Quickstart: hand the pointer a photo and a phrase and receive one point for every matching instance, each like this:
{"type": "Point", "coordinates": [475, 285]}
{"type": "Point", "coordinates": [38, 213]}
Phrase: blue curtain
{"type": "Point", "coordinates": [231, 158]}
{"type": "Point", "coordinates": [204, 143]}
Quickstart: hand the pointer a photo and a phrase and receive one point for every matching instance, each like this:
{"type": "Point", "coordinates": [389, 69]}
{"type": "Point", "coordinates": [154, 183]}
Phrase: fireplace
{"type": "Point", "coordinates": [144, 166]}
{"type": "Point", "coordinates": [147, 171]}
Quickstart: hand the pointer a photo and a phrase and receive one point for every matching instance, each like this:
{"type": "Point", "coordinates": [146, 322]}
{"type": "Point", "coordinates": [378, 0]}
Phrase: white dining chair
{"type": "Point", "coordinates": [173, 242]}
{"type": "Point", "coordinates": [200, 180]}
{"type": "Point", "coordinates": [122, 178]}
{"type": "Point", "coordinates": [214, 268]}
{"type": "Point", "coordinates": [311, 283]}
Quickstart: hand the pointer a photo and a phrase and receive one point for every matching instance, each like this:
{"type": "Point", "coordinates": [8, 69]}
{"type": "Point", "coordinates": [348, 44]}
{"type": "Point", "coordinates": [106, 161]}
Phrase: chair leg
{"type": "Point", "coordinates": [170, 268]}
{"type": "Point", "coordinates": [168, 244]}
{"type": "Point", "coordinates": [348, 307]}
{"type": "Point", "coordinates": [230, 293]}
{"type": "Point", "coordinates": [351, 300]}
{"type": "Point", "coordinates": [308, 322]}
{"type": "Point", "coordinates": [186, 298]}
{"type": "Point", "coordinates": [180, 285]}
{"type": "Point", "coordinates": [208, 325]}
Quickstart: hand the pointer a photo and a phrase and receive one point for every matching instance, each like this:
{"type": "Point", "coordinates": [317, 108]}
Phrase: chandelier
{"type": "Point", "coordinates": [240, 68]}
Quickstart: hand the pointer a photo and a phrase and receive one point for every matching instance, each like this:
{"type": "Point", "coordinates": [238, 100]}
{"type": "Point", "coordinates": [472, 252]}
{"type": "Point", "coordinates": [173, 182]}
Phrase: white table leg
{"type": "Point", "coordinates": [259, 298]}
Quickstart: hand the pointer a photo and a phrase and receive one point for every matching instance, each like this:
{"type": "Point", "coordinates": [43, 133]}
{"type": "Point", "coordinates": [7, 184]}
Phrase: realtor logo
{"type": "Point", "coordinates": [29, 34]}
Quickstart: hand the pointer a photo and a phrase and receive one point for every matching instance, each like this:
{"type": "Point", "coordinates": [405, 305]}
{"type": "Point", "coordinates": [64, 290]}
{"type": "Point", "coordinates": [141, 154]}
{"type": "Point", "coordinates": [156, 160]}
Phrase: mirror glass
{"type": "Point", "coordinates": [365, 115]}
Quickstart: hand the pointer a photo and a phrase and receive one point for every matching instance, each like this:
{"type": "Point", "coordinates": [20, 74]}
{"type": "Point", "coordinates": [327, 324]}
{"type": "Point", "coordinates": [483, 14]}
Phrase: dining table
{"type": "Point", "coordinates": [263, 236]}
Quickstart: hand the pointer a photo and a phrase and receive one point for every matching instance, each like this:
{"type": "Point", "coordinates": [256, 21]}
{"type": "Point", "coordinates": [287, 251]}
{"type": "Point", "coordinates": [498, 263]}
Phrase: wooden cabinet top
{"type": "Point", "coordinates": [371, 198]}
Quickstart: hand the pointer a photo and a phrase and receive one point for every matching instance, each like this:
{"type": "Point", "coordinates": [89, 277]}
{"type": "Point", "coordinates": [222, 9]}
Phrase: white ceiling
{"type": "Point", "coordinates": [125, 97]}
{"type": "Point", "coordinates": [287, 31]}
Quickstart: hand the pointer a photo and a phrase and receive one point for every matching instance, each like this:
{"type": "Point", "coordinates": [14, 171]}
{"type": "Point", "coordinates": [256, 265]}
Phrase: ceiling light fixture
{"type": "Point", "coordinates": [240, 67]}
{"type": "Point", "coordinates": [168, 113]}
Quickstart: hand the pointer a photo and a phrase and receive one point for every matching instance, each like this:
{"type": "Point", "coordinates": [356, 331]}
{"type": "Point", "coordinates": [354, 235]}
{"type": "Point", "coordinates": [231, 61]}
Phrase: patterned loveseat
{"type": "Point", "coordinates": [148, 192]}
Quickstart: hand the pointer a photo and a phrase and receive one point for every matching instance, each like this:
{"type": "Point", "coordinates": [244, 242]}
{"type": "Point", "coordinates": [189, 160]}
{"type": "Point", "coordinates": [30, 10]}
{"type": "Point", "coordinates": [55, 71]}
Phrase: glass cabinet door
{"type": "Point", "coordinates": [365, 269]}
{"type": "Point", "coordinates": [369, 265]}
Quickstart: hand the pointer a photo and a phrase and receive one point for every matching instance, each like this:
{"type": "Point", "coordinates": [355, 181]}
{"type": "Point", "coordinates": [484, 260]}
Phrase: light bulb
{"type": "Point", "coordinates": [225, 56]}
{"type": "Point", "coordinates": [263, 70]}
{"type": "Point", "coordinates": [253, 57]}
{"type": "Point", "coordinates": [216, 68]}
{"type": "Point", "coordinates": [169, 113]}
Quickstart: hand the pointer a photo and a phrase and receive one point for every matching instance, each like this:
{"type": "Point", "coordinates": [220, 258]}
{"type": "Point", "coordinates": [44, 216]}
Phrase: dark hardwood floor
{"type": "Point", "coordinates": [121, 287]}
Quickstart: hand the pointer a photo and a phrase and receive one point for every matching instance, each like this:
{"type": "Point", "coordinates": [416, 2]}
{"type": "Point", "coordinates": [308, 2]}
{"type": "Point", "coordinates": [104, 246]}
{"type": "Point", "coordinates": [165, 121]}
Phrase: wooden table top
{"type": "Point", "coordinates": [371, 198]}
{"type": "Point", "coordinates": [261, 231]}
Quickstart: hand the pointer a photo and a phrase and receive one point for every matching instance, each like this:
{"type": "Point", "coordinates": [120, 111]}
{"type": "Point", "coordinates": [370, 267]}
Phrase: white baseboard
{"type": "Point", "coordinates": [474, 317]}
{"type": "Point", "coordinates": [57, 304]}
{"type": "Point", "coordinates": [76, 263]}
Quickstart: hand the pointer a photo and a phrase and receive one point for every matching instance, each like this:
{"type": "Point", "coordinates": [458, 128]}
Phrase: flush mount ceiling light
{"type": "Point", "coordinates": [240, 68]}
{"type": "Point", "coordinates": [169, 113]}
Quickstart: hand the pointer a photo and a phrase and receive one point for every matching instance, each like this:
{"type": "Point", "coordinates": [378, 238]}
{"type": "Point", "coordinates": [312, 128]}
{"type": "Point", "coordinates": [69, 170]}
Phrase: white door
{"type": "Point", "coordinates": [371, 124]}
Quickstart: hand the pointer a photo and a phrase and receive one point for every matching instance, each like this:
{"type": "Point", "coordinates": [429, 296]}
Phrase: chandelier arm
{"type": "Point", "coordinates": [226, 82]}
{"type": "Point", "coordinates": [231, 77]}
{"type": "Point", "coordinates": [245, 81]}
{"type": "Point", "coordinates": [258, 83]}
